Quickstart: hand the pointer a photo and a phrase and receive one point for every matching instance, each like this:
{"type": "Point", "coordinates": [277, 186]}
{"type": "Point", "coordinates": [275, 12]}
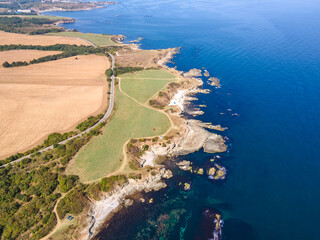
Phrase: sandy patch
{"type": "Point", "coordinates": [40, 99]}
{"type": "Point", "coordinates": [14, 38]}
{"type": "Point", "coordinates": [23, 55]}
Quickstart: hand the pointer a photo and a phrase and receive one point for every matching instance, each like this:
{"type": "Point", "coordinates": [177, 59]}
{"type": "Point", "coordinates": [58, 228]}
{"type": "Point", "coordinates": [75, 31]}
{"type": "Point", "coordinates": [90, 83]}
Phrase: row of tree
{"type": "Point", "coordinates": [67, 51]}
{"type": "Point", "coordinates": [122, 70]}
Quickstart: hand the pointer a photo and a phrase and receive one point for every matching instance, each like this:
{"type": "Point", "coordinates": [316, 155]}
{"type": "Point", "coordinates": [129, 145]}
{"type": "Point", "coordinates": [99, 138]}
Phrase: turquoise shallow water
{"type": "Point", "coordinates": [267, 56]}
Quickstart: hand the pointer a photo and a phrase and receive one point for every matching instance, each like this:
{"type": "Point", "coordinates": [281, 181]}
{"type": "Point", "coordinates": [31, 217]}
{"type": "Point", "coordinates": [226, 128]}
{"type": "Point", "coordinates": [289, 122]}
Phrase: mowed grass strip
{"type": "Point", "coordinates": [97, 39]}
{"type": "Point", "coordinates": [143, 85]}
{"type": "Point", "coordinates": [104, 154]}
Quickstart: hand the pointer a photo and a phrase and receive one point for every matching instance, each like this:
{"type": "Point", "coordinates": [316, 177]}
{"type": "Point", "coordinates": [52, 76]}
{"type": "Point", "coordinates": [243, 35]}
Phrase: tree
{"type": "Point", "coordinates": [6, 64]}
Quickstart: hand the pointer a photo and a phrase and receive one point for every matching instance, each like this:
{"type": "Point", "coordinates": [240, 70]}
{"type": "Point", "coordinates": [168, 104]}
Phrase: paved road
{"type": "Point", "coordinates": [107, 114]}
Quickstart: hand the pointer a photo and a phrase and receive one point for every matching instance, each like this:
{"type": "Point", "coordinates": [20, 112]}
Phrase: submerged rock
{"type": "Point", "coordinates": [187, 186]}
{"type": "Point", "coordinates": [220, 173]}
{"type": "Point", "coordinates": [200, 171]}
{"type": "Point", "coordinates": [127, 202]}
{"type": "Point", "coordinates": [211, 171]}
{"type": "Point", "coordinates": [211, 225]}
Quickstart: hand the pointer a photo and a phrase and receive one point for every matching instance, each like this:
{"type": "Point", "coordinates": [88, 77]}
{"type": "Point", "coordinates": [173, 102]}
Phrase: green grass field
{"type": "Point", "coordinates": [104, 154]}
{"type": "Point", "coordinates": [143, 85]}
{"type": "Point", "coordinates": [97, 39]}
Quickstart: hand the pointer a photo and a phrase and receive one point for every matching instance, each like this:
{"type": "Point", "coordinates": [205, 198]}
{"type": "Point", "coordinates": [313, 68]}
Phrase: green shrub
{"type": "Point", "coordinates": [67, 182]}
{"type": "Point", "coordinates": [74, 202]}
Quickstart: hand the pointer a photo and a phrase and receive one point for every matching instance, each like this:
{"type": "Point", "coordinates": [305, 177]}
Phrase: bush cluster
{"type": "Point", "coordinates": [89, 122]}
{"type": "Point", "coordinates": [122, 70]}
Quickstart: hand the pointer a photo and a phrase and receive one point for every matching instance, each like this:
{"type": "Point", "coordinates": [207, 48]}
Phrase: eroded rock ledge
{"type": "Point", "coordinates": [194, 137]}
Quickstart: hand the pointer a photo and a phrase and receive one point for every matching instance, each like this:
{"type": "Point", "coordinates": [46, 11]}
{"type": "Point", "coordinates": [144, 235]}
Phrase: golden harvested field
{"type": "Point", "coordinates": [24, 55]}
{"type": "Point", "coordinates": [15, 38]}
{"type": "Point", "coordinates": [40, 99]}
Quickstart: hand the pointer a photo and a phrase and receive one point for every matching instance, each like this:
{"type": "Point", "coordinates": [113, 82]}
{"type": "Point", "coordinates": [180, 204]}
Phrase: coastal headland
{"type": "Point", "coordinates": [83, 177]}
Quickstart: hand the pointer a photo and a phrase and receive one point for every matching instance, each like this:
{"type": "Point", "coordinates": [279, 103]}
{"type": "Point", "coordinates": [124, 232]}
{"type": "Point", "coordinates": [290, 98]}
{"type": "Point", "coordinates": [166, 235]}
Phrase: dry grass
{"type": "Point", "coordinates": [140, 58]}
{"type": "Point", "coordinates": [55, 96]}
{"type": "Point", "coordinates": [24, 55]}
{"type": "Point", "coordinates": [14, 38]}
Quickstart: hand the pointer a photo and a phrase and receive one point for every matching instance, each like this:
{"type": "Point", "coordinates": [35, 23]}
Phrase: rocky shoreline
{"type": "Point", "coordinates": [91, 7]}
{"type": "Point", "coordinates": [111, 202]}
{"type": "Point", "coordinates": [193, 135]}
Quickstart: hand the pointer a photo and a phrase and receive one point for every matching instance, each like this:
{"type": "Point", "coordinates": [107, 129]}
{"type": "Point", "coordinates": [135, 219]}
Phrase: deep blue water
{"type": "Point", "coordinates": [267, 55]}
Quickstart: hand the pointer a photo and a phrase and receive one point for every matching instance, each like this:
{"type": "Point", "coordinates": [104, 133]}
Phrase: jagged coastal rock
{"type": "Point", "coordinates": [192, 139]}
{"type": "Point", "coordinates": [184, 165]}
{"type": "Point", "coordinates": [213, 81]}
{"type": "Point", "coordinates": [167, 57]}
{"type": "Point", "coordinates": [114, 200]}
{"type": "Point", "coordinates": [118, 38]}
{"type": "Point", "coordinates": [197, 137]}
{"type": "Point", "coordinates": [193, 73]}
{"type": "Point", "coordinates": [214, 144]}
{"type": "Point", "coordinates": [208, 125]}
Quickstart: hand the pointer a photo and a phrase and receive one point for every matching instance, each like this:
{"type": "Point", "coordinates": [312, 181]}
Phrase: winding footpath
{"type": "Point", "coordinates": [104, 118]}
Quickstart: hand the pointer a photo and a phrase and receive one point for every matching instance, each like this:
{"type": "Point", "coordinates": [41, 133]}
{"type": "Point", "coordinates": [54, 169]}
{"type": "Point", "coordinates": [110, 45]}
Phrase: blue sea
{"type": "Point", "coordinates": [266, 54]}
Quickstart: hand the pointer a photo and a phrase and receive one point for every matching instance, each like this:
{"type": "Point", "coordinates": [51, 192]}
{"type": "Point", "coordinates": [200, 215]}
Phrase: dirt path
{"type": "Point", "coordinates": [58, 225]}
